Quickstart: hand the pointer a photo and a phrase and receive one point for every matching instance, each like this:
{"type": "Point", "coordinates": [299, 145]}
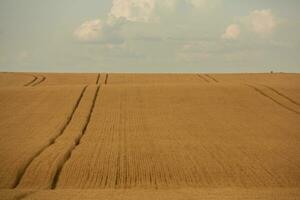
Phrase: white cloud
{"type": "Point", "coordinates": [133, 10]}
{"type": "Point", "coordinates": [145, 10]}
{"type": "Point", "coordinates": [101, 32]}
{"type": "Point", "coordinates": [232, 32]}
{"type": "Point", "coordinates": [122, 11]}
{"type": "Point", "coordinates": [89, 30]}
{"type": "Point", "coordinates": [262, 21]}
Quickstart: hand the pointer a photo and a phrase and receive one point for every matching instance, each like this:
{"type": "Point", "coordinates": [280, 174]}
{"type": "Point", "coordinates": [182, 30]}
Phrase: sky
{"type": "Point", "coordinates": [150, 35]}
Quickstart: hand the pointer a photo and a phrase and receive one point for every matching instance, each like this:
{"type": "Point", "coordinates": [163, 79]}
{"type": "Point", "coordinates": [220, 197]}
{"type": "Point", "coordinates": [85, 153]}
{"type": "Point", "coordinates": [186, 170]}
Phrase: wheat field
{"type": "Point", "coordinates": [149, 136]}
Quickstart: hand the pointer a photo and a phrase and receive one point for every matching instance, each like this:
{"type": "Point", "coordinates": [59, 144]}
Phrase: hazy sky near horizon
{"type": "Point", "coordinates": [150, 35]}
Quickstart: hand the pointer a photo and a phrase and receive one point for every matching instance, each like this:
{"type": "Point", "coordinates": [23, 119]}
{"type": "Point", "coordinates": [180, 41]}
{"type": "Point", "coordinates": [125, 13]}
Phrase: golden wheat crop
{"type": "Point", "coordinates": [149, 136]}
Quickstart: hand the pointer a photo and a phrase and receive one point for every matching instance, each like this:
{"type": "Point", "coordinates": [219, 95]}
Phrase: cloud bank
{"type": "Point", "coordinates": [133, 10]}
{"type": "Point", "coordinates": [89, 30]}
{"type": "Point", "coordinates": [232, 32]}
{"type": "Point", "coordinates": [262, 21]}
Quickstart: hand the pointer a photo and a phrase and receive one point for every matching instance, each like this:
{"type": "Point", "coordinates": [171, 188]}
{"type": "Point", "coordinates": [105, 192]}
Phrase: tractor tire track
{"type": "Point", "coordinates": [106, 79]}
{"type": "Point", "coordinates": [203, 78]}
{"type": "Point", "coordinates": [282, 95]}
{"type": "Point", "coordinates": [212, 78]}
{"type": "Point", "coordinates": [32, 81]}
{"type": "Point", "coordinates": [52, 141]}
{"type": "Point", "coordinates": [58, 172]}
{"type": "Point", "coordinates": [272, 99]}
{"type": "Point", "coordinates": [40, 81]}
{"type": "Point", "coordinates": [98, 79]}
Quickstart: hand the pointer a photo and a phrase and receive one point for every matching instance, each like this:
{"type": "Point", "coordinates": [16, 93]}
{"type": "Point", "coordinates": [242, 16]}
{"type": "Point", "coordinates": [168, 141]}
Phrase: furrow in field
{"type": "Point", "coordinates": [40, 174]}
{"type": "Point", "coordinates": [284, 84]}
{"type": "Point", "coordinates": [278, 99]}
{"type": "Point", "coordinates": [102, 78]}
{"type": "Point", "coordinates": [282, 95]}
{"type": "Point", "coordinates": [15, 79]}
{"type": "Point", "coordinates": [67, 79]}
{"type": "Point", "coordinates": [149, 132]}
{"type": "Point", "coordinates": [98, 79]}
{"type": "Point", "coordinates": [43, 78]}
{"type": "Point", "coordinates": [212, 78]}
{"type": "Point", "coordinates": [77, 143]}
{"type": "Point", "coordinates": [203, 78]}
{"type": "Point", "coordinates": [21, 174]}
{"type": "Point", "coordinates": [32, 81]}
{"type": "Point", "coordinates": [149, 136]}
{"type": "Point", "coordinates": [106, 79]}
{"type": "Point", "coordinates": [30, 118]}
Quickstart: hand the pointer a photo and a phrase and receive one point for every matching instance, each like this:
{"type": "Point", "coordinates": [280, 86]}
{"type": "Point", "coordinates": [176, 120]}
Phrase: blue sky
{"type": "Point", "coordinates": [150, 35]}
